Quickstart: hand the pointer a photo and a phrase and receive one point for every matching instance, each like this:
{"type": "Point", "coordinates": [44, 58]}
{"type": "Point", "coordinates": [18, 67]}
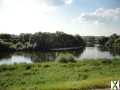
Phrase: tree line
{"type": "Point", "coordinates": [41, 41]}
{"type": "Point", "coordinates": [111, 42]}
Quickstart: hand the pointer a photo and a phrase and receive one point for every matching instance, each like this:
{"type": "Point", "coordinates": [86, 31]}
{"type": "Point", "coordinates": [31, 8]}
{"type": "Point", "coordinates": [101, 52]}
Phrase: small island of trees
{"type": "Point", "coordinates": [40, 41]}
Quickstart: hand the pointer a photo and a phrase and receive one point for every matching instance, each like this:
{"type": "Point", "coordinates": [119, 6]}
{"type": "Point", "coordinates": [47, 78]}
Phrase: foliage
{"type": "Point", "coordinates": [117, 42]}
{"type": "Point", "coordinates": [65, 58]}
{"type": "Point", "coordinates": [102, 41]}
{"type": "Point", "coordinates": [40, 41]}
{"type": "Point", "coordinates": [5, 46]}
{"type": "Point", "coordinates": [111, 42]}
{"type": "Point", "coordinates": [90, 40]}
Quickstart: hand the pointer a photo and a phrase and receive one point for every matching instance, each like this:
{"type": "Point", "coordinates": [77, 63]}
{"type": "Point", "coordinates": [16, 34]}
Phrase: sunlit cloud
{"type": "Point", "coordinates": [100, 15]}
{"type": "Point", "coordinates": [29, 16]}
{"type": "Point", "coordinates": [57, 2]}
{"type": "Point", "coordinates": [45, 8]}
{"type": "Point", "coordinates": [68, 2]}
{"type": "Point", "coordinates": [17, 16]}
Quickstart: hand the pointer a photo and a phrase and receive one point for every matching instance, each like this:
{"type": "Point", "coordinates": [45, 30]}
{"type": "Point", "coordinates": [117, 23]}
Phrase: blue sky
{"type": "Point", "coordinates": [84, 17]}
{"type": "Point", "coordinates": [94, 4]}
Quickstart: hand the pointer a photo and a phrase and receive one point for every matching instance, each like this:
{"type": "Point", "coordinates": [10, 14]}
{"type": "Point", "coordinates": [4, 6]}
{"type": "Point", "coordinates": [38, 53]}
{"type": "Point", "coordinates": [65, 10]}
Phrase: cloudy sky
{"type": "Point", "coordinates": [84, 17]}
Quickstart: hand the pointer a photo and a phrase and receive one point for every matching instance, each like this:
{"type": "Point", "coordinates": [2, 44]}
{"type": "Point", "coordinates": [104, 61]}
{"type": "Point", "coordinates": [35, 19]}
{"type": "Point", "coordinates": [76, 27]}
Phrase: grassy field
{"type": "Point", "coordinates": [80, 75]}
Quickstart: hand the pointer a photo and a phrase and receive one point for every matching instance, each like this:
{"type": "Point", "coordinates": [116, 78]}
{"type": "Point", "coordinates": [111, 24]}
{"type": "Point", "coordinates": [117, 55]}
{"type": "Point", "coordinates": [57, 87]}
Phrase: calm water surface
{"type": "Point", "coordinates": [87, 53]}
{"type": "Point", "coordinates": [16, 59]}
{"type": "Point", "coordinates": [95, 53]}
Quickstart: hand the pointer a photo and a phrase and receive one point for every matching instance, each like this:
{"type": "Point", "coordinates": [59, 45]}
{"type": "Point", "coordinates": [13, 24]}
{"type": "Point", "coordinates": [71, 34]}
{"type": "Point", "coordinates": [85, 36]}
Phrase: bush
{"type": "Point", "coordinates": [46, 66]}
{"type": "Point", "coordinates": [28, 67]}
{"type": "Point", "coordinates": [106, 61]}
{"type": "Point", "coordinates": [65, 58]}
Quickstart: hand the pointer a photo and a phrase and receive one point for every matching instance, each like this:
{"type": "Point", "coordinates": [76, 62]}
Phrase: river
{"type": "Point", "coordinates": [30, 57]}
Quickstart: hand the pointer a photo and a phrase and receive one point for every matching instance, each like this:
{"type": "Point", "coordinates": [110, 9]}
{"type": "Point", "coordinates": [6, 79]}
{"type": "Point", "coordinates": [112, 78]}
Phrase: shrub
{"type": "Point", "coordinates": [106, 61]}
{"type": "Point", "coordinates": [7, 68]}
{"type": "Point", "coordinates": [28, 67]}
{"type": "Point", "coordinates": [46, 66]}
{"type": "Point", "coordinates": [65, 58]}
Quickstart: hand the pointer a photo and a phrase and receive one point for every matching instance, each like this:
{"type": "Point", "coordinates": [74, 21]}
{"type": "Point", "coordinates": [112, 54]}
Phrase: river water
{"type": "Point", "coordinates": [30, 57]}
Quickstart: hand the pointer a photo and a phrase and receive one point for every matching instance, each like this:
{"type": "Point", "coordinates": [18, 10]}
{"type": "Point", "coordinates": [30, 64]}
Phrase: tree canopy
{"type": "Point", "coordinates": [39, 41]}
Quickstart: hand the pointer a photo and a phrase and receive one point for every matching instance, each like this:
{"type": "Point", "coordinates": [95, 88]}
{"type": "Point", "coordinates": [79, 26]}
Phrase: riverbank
{"type": "Point", "coordinates": [80, 75]}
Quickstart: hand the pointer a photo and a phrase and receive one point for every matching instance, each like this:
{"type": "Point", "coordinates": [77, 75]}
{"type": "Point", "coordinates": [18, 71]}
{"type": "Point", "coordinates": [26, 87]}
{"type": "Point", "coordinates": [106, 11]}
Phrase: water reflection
{"type": "Point", "coordinates": [15, 59]}
{"type": "Point", "coordinates": [5, 55]}
{"type": "Point", "coordinates": [29, 57]}
{"type": "Point", "coordinates": [48, 56]}
{"type": "Point", "coordinates": [114, 51]}
{"type": "Point", "coordinates": [95, 53]}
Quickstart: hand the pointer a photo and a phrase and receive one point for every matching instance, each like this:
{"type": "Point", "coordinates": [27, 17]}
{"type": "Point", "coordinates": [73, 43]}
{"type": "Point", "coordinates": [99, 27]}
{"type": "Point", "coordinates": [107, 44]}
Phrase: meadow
{"type": "Point", "coordinates": [80, 75]}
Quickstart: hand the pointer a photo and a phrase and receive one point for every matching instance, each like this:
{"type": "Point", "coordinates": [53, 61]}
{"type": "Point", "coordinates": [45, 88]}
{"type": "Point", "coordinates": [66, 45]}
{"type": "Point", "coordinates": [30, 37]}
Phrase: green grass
{"type": "Point", "coordinates": [81, 75]}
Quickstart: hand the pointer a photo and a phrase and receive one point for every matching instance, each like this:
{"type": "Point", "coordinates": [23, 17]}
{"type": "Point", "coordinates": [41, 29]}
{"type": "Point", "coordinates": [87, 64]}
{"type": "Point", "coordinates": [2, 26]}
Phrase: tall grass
{"type": "Point", "coordinates": [65, 58]}
{"type": "Point", "coordinates": [82, 75]}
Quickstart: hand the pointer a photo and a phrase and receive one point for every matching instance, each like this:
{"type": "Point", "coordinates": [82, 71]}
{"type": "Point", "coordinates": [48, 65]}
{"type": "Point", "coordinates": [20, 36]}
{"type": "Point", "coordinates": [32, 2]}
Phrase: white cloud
{"type": "Point", "coordinates": [52, 2]}
{"type": "Point", "coordinates": [68, 2]}
{"type": "Point", "coordinates": [99, 16]}
{"type": "Point", "coordinates": [17, 16]}
{"type": "Point", "coordinates": [99, 22]}
{"type": "Point", "coordinates": [45, 8]}
{"type": "Point", "coordinates": [57, 2]}
{"type": "Point", "coordinates": [29, 16]}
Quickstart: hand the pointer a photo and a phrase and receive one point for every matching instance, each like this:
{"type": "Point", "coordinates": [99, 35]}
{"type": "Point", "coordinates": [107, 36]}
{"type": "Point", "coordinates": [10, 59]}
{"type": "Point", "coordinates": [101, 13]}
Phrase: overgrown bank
{"type": "Point", "coordinates": [40, 41]}
{"type": "Point", "coordinates": [80, 75]}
